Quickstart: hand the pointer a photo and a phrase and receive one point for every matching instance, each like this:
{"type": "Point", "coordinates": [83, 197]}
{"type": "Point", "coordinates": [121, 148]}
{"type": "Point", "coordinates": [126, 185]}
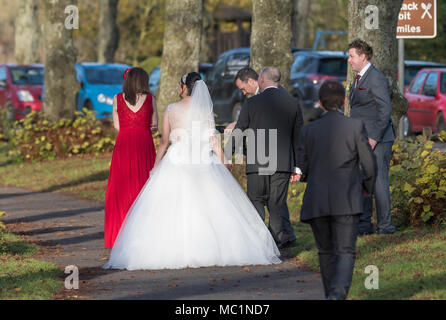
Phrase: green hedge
{"type": "Point", "coordinates": [37, 138]}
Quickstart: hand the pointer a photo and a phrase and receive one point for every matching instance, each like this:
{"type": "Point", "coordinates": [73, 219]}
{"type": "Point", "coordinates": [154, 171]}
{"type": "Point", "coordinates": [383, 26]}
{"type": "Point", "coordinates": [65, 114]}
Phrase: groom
{"type": "Point", "coordinates": [272, 111]}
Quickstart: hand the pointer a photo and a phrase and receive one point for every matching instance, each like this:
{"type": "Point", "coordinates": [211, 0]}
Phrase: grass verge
{"type": "Point", "coordinates": [21, 276]}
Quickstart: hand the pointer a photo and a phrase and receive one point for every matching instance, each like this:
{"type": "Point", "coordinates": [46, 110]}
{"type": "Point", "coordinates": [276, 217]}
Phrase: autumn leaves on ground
{"type": "Point", "coordinates": [411, 263]}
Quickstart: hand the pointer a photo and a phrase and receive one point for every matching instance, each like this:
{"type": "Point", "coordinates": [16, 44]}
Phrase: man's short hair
{"type": "Point", "coordinates": [245, 74]}
{"type": "Point", "coordinates": [271, 73]}
{"type": "Point", "coordinates": [362, 47]}
{"type": "Point", "coordinates": [332, 94]}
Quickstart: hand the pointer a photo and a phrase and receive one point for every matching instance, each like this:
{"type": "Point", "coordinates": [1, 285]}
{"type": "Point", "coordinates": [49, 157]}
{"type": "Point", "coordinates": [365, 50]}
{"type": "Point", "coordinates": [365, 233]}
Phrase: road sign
{"type": "Point", "coordinates": [417, 19]}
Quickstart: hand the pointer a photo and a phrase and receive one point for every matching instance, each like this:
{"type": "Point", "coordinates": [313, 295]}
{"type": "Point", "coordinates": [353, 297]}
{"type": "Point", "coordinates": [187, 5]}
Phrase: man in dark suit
{"type": "Point", "coordinates": [370, 101]}
{"type": "Point", "coordinates": [330, 152]}
{"type": "Point", "coordinates": [272, 123]}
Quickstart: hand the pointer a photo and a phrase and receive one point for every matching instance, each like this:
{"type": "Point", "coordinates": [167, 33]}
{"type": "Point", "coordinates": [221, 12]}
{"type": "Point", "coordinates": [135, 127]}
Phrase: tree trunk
{"type": "Point", "coordinates": [61, 86]}
{"type": "Point", "coordinates": [271, 37]}
{"type": "Point", "coordinates": [108, 31]}
{"type": "Point", "coordinates": [181, 48]}
{"type": "Point", "coordinates": [384, 43]}
{"type": "Point", "coordinates": [149, 5]}
{"type": "Point", "coordinates": [27, 33]}
{"type": "Point", "coordinates": [299, 17]}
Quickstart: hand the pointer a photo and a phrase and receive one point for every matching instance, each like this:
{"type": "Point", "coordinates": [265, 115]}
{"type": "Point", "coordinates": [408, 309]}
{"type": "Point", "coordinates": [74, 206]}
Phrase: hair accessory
{"type": "Point", "coordinates": [125, 72]}
{"type": "Point", "coordinates": [183, 78]}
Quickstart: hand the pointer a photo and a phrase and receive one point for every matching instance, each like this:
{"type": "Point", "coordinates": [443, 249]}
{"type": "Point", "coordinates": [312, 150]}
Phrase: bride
{"type": "Point", "coordinates": [191, 212]}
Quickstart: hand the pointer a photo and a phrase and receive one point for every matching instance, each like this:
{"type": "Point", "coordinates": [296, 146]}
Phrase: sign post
{"type": "Point", "coordinates": [417, 20]}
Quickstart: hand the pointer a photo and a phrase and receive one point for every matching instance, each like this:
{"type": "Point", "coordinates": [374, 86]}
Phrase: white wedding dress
{"type": "Point", "coordinates": [192, 213]}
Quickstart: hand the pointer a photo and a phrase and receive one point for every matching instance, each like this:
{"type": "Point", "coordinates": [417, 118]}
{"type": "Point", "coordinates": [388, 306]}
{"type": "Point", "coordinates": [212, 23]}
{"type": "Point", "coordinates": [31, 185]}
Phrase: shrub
{"type": "Point", "coordinates": [418, 182]}
{"type": "Point", "coordinates": [37, 138]}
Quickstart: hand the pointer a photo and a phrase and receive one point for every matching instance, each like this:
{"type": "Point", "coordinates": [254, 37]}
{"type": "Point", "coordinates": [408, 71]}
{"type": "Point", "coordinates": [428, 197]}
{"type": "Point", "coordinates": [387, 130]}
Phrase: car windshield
{"type": "Point", "coordinates": [26, 75]}
{"type": "Point", "coordinates": [333, 67]}
{"type": "Point", "coordinates": [105, 75]}
{"type": "Point", "coordinates": [409, 73]}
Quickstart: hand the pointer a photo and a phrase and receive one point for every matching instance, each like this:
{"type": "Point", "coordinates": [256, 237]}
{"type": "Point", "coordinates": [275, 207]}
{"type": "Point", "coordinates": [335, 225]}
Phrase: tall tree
{"type": "Point", "coordinates": [148, 7]}
{"type": "Point", "coordinates": [382, 38]}
{"type": "Point", "coordinates": [27, 32]}
{"type": "Point", "coordinates": [299, 17]}
{"type": "Point", "coordinates": [108, 31]}
{"type": "Point", "coordinates": [271, 37]}
{"type": "Point", "coordinates": [181, 49]}
{"type": "Point", "coordinates": [61, 85]}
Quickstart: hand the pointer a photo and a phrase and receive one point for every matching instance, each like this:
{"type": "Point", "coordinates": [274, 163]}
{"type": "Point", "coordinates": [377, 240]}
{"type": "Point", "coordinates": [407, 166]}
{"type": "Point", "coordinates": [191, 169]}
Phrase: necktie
{"type": "Point", "coordinates": [357, 79]}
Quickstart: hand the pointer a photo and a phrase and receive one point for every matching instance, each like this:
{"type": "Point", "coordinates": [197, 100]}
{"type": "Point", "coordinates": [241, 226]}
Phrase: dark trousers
{"type": "Point", "coordinates": [381, 193]}
{"type": "Point", "coordinates": [272, 191]}
{"type": "Point", "coordinates": [335, 238]}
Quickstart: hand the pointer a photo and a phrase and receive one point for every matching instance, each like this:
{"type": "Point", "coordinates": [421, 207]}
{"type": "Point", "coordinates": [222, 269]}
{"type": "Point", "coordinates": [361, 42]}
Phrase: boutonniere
{"type": "Point", "coordinates": [349, 87]}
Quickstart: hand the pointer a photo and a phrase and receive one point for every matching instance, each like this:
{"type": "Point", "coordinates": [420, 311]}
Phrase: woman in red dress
{"type": "Point", "coordinates": [135, 117]}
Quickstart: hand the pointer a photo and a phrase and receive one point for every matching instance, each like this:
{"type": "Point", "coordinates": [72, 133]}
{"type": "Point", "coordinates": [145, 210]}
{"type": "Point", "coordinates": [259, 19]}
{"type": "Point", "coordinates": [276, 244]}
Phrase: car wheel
{"type": "Point", "coordinates": [441, 124]}
{"type": "Point", "coordinates": [236, 111]}
{"type": "Point", "coordinates": [88, 105]}
{"type": "Point", "coordinates": [10, 113]}
{"type": "Point", "coordinates": [405, 127]}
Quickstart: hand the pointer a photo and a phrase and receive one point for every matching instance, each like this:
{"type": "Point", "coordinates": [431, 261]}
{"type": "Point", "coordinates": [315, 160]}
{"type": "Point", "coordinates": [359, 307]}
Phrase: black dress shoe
{"type": "Point", "coordinates": [386, 232]}
{"type": "Point", "coordinates": [288, 244]}
{"type": "Point", "coordinates": [365, 233]}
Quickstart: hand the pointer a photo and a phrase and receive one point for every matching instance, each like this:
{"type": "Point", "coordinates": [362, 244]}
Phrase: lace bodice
{"type": "Point", "coordinates": [129, 119]}
{"type": "Point", "coordinates": [182, 123]}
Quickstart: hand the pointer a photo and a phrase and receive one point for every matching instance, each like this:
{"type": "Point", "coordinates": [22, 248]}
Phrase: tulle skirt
{"type": "Point", "coordinates": [191, 215]}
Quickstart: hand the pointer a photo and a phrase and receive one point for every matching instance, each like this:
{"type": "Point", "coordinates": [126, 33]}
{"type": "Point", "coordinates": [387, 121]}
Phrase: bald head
{"type": "Point", "coordinates": [269, 76]}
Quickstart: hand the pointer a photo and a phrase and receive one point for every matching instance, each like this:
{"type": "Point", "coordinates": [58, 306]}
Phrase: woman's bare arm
{"type": "Point", "coordinates": [115, 113]}
{"type": "Point", "coordinates": [154, 122]}
{"type": "Point", "coordinates": [164, 139]}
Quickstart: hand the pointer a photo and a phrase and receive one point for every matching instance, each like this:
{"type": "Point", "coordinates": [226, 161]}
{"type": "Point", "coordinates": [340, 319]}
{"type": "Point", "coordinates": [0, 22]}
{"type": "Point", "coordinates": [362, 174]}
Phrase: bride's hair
{"type": "Point", "coordinates": [136, 81]}
{"type": "Point", "coordinates": [189, 80]}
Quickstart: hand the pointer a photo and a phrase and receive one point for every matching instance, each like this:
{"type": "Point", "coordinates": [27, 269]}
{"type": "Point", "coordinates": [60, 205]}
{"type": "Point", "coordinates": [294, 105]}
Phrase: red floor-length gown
{"type": "Point", "coordinates": [133, 158]}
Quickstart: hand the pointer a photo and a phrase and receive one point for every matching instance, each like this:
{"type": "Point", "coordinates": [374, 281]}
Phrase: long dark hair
{"type": "Point", "coordinates": [136, 81]}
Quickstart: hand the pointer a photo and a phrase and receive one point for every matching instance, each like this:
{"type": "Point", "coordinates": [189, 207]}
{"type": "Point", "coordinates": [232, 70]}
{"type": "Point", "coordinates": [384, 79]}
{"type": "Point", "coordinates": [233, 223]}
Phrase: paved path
{"type": "Point", "coordinates": [70, 232]}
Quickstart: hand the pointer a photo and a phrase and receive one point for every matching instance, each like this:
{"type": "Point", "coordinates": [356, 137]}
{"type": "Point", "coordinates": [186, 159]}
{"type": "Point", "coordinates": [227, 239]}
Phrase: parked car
{"type": "Point", "coordinates": [21, 89]}
{"type": "Point", "coordinates": [155, 75]}
{"type": "Point", "coordinates": [427, 101]}
{"type": "Point", "coordinates": [309, 70]}
{"type": "Point", "coordinates": [99, 84]}
{"type": "Point", "coordinates": [226, 97]}
{"type": "Point", "coordinates": [411, 68]}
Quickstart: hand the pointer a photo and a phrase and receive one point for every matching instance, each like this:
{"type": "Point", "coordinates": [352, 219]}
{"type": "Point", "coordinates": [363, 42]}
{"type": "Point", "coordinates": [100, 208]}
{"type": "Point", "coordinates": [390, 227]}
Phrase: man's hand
{"type": "Point", "coordinates": [365, 194]}
{"type": "Point", "coordinates": [295, 177]}
{"type": "Point", "coordinates": [372, 143]}
{"type": "Point", "coordinates": [231, 126]}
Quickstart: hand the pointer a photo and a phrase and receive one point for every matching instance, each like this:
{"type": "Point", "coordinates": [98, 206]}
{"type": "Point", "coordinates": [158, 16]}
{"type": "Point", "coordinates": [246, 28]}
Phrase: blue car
{"type": "Point", "coordinates": [99, 84]}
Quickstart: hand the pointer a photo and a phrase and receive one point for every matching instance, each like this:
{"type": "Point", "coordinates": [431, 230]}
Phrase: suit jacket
{"type": "Point", "coordinates": [370, 102]}
{"type": "Point", "coordinates": [331, 149]}
{"type": "Point", "coordinates": [274, 108]}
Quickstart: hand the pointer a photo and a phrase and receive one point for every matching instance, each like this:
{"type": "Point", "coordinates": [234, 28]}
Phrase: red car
{"type": "Point", "coordinates": [427, 101]}
{"type": "Point", "coordinates": [21, 89]}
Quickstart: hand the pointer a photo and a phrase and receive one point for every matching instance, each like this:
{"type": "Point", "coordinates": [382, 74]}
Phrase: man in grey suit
{"type": "Point", "coordinates": [370, 101]}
